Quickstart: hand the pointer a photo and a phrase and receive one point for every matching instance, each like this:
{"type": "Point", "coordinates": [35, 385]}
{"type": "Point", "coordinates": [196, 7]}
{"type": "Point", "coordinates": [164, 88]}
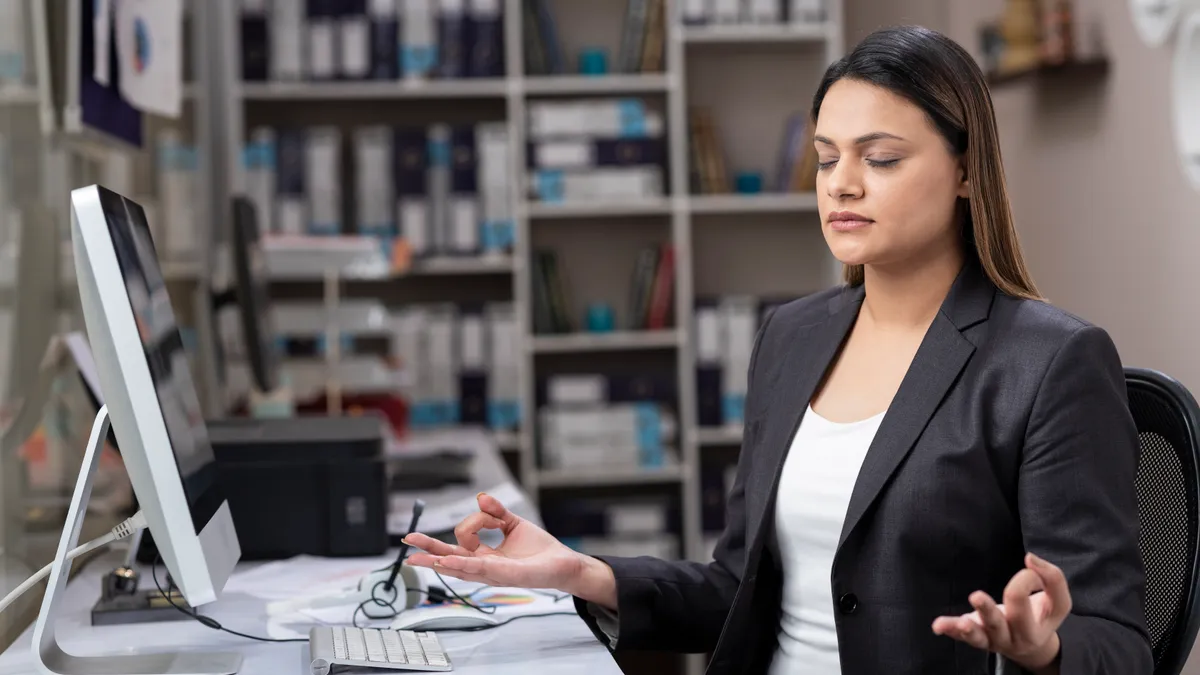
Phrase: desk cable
{"type": "Point", "coordinates": [206, 620]}
{"type": "Point", "coordinates": [131, 525]}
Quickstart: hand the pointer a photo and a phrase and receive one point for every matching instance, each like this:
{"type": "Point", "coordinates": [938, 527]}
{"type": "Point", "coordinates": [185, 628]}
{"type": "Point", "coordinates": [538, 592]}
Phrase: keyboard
{"type": "Point", "coordinates": [382, 648]}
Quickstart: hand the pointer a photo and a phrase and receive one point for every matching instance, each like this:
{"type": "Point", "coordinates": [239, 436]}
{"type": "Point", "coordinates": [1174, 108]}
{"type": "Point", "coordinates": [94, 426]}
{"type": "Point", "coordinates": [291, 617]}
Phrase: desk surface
{"type": "Point", "coordinates": [555, 644]}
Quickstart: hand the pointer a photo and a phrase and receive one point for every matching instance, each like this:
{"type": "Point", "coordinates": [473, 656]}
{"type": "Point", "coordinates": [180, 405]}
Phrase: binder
{"type": "Point", "coordinates": [258, 160]}
{"type": "Point", "coordinates": [324, 180]}
{"type": "Point", "coordinates": [321, 38]}
{"type": "Point", "coordinates": [291, 205]}
{"type": "Point", "coordinates": [410, 173]}
{"type": "Point", "coordinates": [256, 47]}
{"type": "Point", "coordinates": [495, 172]}
{"type": "Point", "coordinates": [463, 211]}
{"type": "Point", "coordinates": [385, 43]}
{"type": "Point", "coordinates": [418, 39]}
{"type": "Point", "coordinates": [288, 32]}
{"type": "Point", "coordinates": [353, 39]}
{"type": "Point", "coordinates": [374, 184]}
{"type": "Point", "coordinates": [485, 38]}
{"type": "Point", "coordinates": [451, 39]}
{"type": "Point", "coordinates": [473, 366]}
{"type": "Point", "coordinates": [440, 140]}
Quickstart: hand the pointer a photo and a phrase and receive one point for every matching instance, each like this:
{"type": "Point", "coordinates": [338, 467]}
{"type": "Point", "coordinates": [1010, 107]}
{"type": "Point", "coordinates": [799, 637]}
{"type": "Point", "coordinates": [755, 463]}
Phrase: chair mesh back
{"type": "Point", "coordinates": [1167, 509]}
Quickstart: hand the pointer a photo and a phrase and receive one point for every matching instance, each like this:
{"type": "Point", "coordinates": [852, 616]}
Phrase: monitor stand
{"type": "Point", "coordinates": [49, 656]}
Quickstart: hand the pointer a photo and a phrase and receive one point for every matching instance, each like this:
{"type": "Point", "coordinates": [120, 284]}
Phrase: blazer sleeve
{"type": "Point", "coordinates": [679, 606]}
{"type": "Point", "coordinates": [1077, 499]}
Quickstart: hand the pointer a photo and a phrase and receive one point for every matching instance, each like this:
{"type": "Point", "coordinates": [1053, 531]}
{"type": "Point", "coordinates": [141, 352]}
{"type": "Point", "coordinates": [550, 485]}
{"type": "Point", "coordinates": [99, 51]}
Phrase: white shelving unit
{"type": "Point", "coordinates": [751, 77]}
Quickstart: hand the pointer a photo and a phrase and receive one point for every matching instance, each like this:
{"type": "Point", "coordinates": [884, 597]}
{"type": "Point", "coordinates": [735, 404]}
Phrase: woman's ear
{"type": "Point", "coordinates": [964, 183]}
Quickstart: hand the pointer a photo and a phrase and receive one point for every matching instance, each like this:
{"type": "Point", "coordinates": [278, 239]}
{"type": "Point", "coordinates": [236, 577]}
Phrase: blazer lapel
{"type": "Point", "coordinates": [941, 357]}
{"type": "Point", "coordinates": [799, 374]}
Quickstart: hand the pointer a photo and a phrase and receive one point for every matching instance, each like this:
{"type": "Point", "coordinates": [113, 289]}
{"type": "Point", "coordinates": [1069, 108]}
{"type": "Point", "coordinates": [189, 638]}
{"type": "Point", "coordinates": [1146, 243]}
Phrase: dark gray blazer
{"type": "Point", "coordinates": [1010, 433]}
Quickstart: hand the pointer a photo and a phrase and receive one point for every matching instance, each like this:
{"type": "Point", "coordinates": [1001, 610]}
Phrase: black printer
{"type": "Point", "coordinates": [314, 485]}
{"type": "Point", "coordinates": [302, 485]}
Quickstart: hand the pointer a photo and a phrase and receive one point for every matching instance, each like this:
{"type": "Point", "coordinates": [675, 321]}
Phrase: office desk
{"type": "Point", "coordinates": [554, 644]}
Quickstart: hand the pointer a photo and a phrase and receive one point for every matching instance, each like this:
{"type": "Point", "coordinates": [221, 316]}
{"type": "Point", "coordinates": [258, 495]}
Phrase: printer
{"type": "Point", "coordinates": [302, 485]}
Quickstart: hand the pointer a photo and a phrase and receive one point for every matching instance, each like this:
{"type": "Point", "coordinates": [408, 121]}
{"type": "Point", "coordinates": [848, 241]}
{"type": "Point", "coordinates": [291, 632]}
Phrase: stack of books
{"type": "Point", "coordinates": [595, 150]}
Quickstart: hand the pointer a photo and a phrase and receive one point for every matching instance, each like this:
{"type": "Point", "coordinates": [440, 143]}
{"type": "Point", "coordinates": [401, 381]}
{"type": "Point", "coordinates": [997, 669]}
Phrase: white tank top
{"type": "Point", "coordinates": [814, 492]}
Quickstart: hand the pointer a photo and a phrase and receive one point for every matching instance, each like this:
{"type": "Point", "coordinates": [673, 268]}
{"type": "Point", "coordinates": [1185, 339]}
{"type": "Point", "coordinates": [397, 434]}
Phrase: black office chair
{"type": "Point", "coordinates": [1168, 485]}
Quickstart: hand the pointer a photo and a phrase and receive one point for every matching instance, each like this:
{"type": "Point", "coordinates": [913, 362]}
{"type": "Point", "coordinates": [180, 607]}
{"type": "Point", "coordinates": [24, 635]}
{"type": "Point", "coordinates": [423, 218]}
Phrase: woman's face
{"type": "Point", "coordinates": [887, 183]}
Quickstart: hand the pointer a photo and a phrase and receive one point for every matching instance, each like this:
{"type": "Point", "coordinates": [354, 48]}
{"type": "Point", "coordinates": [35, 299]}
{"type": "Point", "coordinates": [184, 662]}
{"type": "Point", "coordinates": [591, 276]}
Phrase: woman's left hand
{"type": "Point", "coordinates": [1024, 629]}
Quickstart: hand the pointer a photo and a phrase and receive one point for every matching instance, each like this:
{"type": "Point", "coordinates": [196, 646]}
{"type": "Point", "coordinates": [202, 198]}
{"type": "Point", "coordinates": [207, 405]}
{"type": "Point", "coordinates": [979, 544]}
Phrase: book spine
{"type": "Point", "coordinates": [259, 163]}
{"type": "Point", "coordinates": [504, 410]}
{"type": "Point", "coordinates": [291, 207]}
{"type": "Point", "coordinates": [321, 39]}
{"type": "Point", "coordinates": [256, 48]}
{"type": "Point", "coordinates": [451, 39]}
{"type": "Point", "coordinates": [498, 225]}
{"type": "Point", "coordinates": [176, 182]}
{"type": "Point", "coordinates": [439, 186]}
{"type": "Point", "coordinates": [485, 56]}
{"type": "Point", "coordinates": [375, 201]}
{"type": "Point", "coordinates": [579, 153]}
{"type": "Point", "coordinates": [556, 186]}
{"type": "Point", "coordinates": [418, 42]}
{"type": "Point", "coordinates": [385, 40]}
{"type": "Point", "coordinates": [354, 40]}
{"type": "Point", "coordinates": [324, 180]}
{"type": "Point", "coordinates": [472, 366]}
{"type": "Point", "coordinates": [463, 207]}
{"type": "Point", "coordinates": [596, 118]}
{"type": "Point", "coordinates": [288, 30]}
{"type": "Point", "coordinates": [411, 173]}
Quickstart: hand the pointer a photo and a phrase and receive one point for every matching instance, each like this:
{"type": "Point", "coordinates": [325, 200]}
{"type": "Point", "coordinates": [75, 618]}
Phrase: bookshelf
{"type": "Point", "coordinates": [750, 77]}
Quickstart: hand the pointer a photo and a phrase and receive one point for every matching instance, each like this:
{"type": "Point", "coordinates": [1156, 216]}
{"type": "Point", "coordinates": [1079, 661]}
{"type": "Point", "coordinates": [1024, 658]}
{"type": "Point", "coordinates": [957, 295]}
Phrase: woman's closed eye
{"type": "Point", "coordinates": [875, 163]}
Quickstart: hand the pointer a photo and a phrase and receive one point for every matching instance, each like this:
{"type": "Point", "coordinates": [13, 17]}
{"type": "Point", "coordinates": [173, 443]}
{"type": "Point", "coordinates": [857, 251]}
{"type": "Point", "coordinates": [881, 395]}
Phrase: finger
{"type": "Point", "coordinates": [991, 620]}
{"type": "Point", "coordinates": [1054, 582]}
{"type": "Point", "coordinates": [467, 532]}
{"type": "Point", "coordinates": [492, 506]}
{"type": "Point", "coordinates": [457, 574]}
{"type": "Point", "coordinates": [434, 546]}
{"type": "Point", "coordinates": [1021, 620]}
{"type": "Point", "coordinates": [975, 635]}
{"type": "Point", "coordinates": [421, 560]}
{"type": "Point", "coordinates": [961, 628]}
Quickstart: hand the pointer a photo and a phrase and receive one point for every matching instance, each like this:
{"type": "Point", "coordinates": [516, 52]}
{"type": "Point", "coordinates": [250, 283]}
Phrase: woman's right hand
{"type": "Point", "coordinates": [529, 557]}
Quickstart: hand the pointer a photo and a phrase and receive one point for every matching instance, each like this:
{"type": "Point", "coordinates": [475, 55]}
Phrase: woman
{"type": "Point", "coordinates": [937, 467]}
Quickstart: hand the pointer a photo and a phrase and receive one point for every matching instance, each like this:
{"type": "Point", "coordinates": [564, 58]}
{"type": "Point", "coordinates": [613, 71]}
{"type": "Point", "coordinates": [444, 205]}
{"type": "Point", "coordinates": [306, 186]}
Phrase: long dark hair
{"type": "Point", "coordinates": [936, 74]}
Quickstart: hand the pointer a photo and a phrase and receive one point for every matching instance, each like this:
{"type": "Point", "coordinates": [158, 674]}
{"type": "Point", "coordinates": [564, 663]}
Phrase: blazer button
{"type": "Point", "coordinates": [848, 603]}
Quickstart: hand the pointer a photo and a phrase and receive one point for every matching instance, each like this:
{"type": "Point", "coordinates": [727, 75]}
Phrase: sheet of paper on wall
{"type": "Point", "coordinates": [150, 54]}
{"type": "Point", "coordinates": [102, 30]}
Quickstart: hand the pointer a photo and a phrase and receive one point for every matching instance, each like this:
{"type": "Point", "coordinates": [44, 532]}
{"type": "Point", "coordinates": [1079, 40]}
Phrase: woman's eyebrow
{"type": "Point", "coordinates": [867, 138]}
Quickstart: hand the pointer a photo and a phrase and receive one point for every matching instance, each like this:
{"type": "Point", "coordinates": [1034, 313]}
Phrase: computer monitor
{"type": "Point", "coordinates": [254, 297]}
{"type": "Point", "coordinates": [146, 384]}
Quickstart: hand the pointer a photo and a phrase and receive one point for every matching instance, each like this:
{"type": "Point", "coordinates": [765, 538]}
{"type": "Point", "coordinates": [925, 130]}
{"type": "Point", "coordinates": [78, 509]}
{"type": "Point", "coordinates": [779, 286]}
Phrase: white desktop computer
{"type": "Point", "coordinates": [146, 392]}
{"type": "Point", "coordinates": [155, 414]}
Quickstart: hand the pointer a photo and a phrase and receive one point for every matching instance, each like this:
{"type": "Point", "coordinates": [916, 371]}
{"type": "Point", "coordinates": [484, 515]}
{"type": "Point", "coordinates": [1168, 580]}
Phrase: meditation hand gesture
{"type": "Point", "coordinates": [1024, 629]}
{"type": "Point", "coordinates": [529, 557]}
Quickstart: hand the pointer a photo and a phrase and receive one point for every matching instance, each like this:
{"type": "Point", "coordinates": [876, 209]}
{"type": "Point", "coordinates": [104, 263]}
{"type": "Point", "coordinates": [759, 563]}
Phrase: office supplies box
{"type": "Point", "coordinates": [304, 485]}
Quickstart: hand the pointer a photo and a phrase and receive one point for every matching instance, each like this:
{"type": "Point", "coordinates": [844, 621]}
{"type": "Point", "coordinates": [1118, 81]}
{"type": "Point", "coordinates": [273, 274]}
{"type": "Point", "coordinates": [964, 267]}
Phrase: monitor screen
{"type": "Point", "coordinates": [254, 296]}
{"type": "Point", "coordinates": [165, 355]}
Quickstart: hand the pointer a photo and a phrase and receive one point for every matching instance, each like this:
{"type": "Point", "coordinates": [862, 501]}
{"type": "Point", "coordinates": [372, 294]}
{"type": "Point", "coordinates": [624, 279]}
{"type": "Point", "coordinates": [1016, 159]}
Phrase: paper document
{"type": "Point", "coordinates": [302, 575]}
{"type": "Point", "coordinates": [150, 54]}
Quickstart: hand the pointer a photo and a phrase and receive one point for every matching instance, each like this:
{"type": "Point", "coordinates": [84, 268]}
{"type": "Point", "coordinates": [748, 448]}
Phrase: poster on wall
{"type": "Point", "coordinates": [150, 54]}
